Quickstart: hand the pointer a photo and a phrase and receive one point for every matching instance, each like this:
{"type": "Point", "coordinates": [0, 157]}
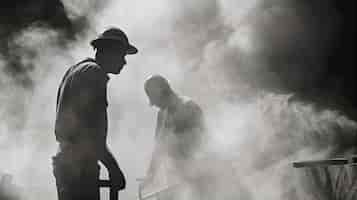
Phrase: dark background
{"type": "Point", "coordinates": [309, 48]}
{"type": "Point", "coordinates": [334, 85]}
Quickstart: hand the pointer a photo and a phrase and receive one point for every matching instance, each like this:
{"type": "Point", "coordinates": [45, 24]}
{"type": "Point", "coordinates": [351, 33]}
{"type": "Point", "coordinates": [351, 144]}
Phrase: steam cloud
{"type": "Point", "coordinates": [243, 61]}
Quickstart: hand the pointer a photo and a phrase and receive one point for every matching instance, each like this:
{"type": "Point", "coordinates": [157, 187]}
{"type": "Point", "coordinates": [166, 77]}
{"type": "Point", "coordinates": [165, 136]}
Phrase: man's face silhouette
{"type": "Point", "coordinates": [113, 58]}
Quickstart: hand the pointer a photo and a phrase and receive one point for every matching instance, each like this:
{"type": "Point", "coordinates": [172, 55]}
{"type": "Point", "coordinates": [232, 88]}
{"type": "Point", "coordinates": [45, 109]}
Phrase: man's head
{"type": "Point", "coordinates": [111, 48]}
{"type": "Point", "coordinates": [158, 90]}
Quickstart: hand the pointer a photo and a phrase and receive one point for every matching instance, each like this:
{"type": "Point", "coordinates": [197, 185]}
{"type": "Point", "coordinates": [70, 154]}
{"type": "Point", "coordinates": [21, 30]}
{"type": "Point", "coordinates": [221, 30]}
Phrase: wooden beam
{"type": "Point", "coordinates": [326, 162]}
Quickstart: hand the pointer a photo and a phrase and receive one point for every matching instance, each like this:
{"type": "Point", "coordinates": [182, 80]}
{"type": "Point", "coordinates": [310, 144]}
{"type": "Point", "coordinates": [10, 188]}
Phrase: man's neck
{"type": "Point", "coordinates": [101, 65]}
{"type": "Point", "coordinates": [173, 102]}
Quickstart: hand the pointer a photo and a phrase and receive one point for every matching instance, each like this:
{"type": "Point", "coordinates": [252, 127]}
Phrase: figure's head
{"type": "Point", "coordinates": [111, 48]}
{"type": "Point", "coordinates": [158, 90]}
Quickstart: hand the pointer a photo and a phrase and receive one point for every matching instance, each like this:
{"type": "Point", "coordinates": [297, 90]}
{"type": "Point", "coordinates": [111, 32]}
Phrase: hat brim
{"type": "Point", "coordinates": [130, 49]}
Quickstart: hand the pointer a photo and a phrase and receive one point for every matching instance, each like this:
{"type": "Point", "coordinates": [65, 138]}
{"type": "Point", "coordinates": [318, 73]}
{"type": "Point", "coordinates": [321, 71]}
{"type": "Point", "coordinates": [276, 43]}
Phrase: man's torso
{"type": "Point", "coordinates": [81, 116]}
{"type": "Point", "coordinates": [180, 130]}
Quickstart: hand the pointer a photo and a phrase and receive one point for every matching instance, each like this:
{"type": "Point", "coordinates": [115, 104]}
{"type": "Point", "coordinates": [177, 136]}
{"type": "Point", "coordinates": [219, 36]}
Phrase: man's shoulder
{"type": "Point", "coordinates": [88, 66]}
{"type": "Point", "coordinates": [190, 106]}
{"type": "Point", "coordinates": [188, 102]}
{"type": "Point", "coordinates": [89, 69]}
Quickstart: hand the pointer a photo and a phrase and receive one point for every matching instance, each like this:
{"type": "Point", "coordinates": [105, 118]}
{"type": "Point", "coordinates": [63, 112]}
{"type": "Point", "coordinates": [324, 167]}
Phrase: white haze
{"type": "Point", "coordinates": [254, 134]}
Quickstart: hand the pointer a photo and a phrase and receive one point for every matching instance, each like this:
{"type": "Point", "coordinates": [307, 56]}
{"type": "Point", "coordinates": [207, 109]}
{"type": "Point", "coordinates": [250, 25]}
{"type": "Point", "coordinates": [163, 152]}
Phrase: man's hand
{"type": "Point", "coordinates": [116, 176]}
{"type": "Point", "coordinates": [117, 179]}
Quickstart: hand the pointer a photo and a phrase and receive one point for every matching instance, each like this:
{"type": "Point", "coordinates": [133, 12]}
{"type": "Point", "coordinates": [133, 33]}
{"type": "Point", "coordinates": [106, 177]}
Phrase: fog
{"type": "Point", "coordinates": [212, 51]}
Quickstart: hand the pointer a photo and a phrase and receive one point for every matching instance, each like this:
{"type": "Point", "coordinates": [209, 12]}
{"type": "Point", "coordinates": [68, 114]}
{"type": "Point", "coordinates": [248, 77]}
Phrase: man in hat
{"type": "Point", "coordinates": [81, 120]}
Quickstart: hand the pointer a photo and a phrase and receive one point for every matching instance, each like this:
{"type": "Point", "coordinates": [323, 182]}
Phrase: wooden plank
{"type": "Point", "coordinates": [326, 162]}
{"type": "Point", "coordinates": [353, 160]}
{"type": "Point", "coordinates": [321, 163]}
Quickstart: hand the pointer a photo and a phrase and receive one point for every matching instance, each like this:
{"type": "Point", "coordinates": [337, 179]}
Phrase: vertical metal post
{"type": "Point", "coordinates": [113, 194]}
{"type": "Point", "coordinates": [140, 191]}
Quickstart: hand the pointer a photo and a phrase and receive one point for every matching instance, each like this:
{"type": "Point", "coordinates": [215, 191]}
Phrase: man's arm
{"type": "Point", "coordinates": [107, 158]}
{"type": "Point", "coordinates": [94, 113]}
{"type": "Point", "coordinates": [115, 173]}
{"type": "Point", "coordinates": [155, 159]}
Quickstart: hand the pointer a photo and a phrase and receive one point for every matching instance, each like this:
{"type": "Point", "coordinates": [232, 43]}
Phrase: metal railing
{"type": "Point", "coordinates": [326, 162]}
{"type": "Point", "coordinates": [330, 179]}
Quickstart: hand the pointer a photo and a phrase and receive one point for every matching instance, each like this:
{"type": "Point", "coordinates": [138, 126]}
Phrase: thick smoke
{"type": "Point", "coordinates": [34, 36]}
{"type": "Point", "coordinates": [17, 16]}
{"type": "Point", "coordinates": [27, 30]}
{"type": "Point", "coordinates": [236, 58]}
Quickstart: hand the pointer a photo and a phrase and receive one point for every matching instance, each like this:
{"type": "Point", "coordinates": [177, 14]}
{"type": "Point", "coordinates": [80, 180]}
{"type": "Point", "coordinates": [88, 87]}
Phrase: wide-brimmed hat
{"type": "Point", "coordinates": [115, 35]}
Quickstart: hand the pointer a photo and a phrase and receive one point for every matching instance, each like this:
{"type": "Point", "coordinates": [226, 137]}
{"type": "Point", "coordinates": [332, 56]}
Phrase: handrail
{"type": "Point", "coordinates": [326, 162]}
{"type": "Point", "coordinates": [153, 194]}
